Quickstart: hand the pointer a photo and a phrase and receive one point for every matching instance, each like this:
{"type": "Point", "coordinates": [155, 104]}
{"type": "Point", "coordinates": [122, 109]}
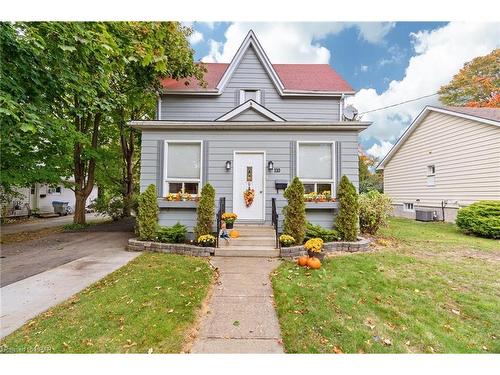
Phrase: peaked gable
{"type": "Point", "coordinates": [245, 111]}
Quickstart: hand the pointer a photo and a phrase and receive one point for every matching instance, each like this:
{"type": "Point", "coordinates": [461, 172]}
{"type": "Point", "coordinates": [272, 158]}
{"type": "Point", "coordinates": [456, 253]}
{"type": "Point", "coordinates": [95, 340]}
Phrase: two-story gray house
{"type": "Point", "coordinates": [254, 125]}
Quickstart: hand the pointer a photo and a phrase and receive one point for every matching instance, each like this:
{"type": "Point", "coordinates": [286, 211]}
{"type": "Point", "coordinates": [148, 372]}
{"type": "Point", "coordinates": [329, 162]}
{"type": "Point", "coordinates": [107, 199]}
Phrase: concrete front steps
{"type": "Point", "coordinates": [255, 241]}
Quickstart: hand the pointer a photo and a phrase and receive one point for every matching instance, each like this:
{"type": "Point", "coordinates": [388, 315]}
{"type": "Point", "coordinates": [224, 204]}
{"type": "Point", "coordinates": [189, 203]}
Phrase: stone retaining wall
{"type": "Point", "coordinates": [171, 248]}
{"type": "Point", "coordinates": [362, 244]}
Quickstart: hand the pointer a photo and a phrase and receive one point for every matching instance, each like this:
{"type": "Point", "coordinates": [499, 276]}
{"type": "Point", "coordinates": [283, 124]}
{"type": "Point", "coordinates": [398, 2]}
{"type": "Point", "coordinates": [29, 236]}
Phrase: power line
{"type": "Point", "coordinates": [395, 105]}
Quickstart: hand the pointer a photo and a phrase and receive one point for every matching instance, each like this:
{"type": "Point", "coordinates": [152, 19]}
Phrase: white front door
{"type": "Point", "coordinates": [248, 173]}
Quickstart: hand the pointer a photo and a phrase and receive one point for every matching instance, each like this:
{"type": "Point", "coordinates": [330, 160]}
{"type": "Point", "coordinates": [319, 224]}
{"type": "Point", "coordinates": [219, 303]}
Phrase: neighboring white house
{"type": "Point", "coordinates": [40, 197]}
{"type": "Point", "coordinates": [448, 158]}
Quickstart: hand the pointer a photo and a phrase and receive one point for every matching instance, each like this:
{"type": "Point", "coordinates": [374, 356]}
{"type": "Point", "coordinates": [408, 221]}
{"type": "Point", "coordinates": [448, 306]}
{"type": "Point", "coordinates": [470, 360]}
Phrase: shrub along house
{"type": "Point", "coordinates": [254, 126]}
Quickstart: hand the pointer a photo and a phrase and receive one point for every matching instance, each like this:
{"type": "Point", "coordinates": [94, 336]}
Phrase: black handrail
{"type": "Point", "coordinates": [274, 220]}
{"type": "Point", "coordinates": [222, 209]}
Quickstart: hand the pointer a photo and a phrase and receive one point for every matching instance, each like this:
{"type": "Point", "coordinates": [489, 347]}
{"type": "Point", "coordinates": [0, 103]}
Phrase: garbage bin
{"type": "Point", "coordinates": [60, 207]}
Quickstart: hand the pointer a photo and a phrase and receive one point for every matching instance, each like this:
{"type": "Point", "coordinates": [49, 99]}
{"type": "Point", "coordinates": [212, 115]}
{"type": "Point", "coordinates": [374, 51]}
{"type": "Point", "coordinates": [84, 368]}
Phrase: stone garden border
{"type": "Point", "coordinates": [362, 244]}
{"type": "Point", "coordinates": [171, 248]}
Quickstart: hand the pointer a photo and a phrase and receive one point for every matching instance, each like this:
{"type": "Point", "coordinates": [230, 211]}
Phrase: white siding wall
{"type": "Point", "coordinates": [466, 155]}
{"type": "Point", "coordinates": [250, 74]}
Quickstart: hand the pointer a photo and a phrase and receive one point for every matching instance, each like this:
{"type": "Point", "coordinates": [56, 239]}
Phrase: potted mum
{"type": "Point", "coordinates": [286, 240]}
{"type": "Point", "coordinates": [206, 240]}
{"type": "Point", "coordinates": [314, 248]}
{"type": "Point", "coordinates": [229, 218]}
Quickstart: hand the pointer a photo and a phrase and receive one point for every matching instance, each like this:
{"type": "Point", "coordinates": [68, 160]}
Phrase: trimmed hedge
{"type": "Point", "coordinates": [347, 220]}
{"type": "Point", "coordinates": [317, 231]}
{"type": "Point", "coordinates": [147, 215]}
{"type": "Point", "coordinates": [481, 218]}
{"type": "Point", "coordinates": [295, 212]}
{"type": "Point", "coordinates": [205, 211]}
{"type": "Point", "coordinates": [174, 234]}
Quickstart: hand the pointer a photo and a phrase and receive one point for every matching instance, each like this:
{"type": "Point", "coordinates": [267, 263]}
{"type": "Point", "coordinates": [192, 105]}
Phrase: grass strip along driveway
{"type": "Point", "coordinates": [149, 305]}
{"type": "Point", "coordinates": [426, 289]}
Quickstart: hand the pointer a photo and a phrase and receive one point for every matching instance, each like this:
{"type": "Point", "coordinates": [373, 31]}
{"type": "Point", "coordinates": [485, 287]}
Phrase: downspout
{"type": "Point", "coordinates": [341, 107]}
{"type": "Point", "coordinates": [443, 205]}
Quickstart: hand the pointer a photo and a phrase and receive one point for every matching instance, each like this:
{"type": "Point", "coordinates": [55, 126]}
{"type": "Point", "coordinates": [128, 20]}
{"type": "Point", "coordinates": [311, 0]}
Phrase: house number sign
{"type": "Point", "coordinates": [249, 174]}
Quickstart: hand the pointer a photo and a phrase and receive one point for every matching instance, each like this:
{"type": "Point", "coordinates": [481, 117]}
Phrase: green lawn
{"type": "Point", "coordinates": [148, 305]}
{"type": "Point", "coordinates": [425, 288]}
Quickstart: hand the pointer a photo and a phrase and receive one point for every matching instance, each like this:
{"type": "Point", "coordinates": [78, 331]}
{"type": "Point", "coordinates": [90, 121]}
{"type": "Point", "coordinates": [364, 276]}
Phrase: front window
{"type": "Point", "coordinates": [183, 167]}
{"type": "Point", "coordinates": [315, 167]}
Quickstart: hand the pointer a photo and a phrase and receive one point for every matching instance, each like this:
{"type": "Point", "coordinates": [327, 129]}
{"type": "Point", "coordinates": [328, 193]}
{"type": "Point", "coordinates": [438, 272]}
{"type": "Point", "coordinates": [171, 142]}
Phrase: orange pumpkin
{"type": "Point", "coordinates": [313, 263]}
{"type": "Point", "coordinates": [234, 234]}
{"type": "Point", "coordinates": [302, 261]}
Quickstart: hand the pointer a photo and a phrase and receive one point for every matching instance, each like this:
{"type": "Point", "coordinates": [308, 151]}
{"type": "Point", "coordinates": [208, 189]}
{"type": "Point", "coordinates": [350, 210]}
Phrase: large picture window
{"type": "Point", "coordinates": [315, 166]}
{"type": "Point", "coordinates": [183, 167]}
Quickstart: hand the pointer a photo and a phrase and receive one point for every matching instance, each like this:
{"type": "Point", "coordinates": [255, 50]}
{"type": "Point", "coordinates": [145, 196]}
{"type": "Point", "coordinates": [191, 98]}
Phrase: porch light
{"type": "Point", "coordinates": [228, 165]}
{"type": "Point", "coordinates": [270, 166]}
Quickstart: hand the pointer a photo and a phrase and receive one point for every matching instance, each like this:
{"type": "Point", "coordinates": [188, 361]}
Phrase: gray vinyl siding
{"type": "Point", "coordinates": [280, 147]}
{"type": "Point", "coordinates": [250, 74]}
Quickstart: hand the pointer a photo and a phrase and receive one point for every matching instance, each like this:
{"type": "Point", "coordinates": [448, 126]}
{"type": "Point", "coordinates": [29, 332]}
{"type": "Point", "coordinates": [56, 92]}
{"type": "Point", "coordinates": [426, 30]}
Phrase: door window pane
{"type": "Point", "coordinates": [183, 160]}
{"type": "Point", "coordinates": [315, 161]}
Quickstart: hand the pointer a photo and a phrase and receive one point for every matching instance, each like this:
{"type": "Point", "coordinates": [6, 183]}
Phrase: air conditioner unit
{"type": "Point", "coordinates": [425, 215]}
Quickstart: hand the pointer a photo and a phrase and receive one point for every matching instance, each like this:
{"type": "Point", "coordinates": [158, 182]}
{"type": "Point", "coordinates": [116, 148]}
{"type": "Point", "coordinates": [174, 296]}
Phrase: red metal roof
{"type": "Point", "coordinates": [307, 77]}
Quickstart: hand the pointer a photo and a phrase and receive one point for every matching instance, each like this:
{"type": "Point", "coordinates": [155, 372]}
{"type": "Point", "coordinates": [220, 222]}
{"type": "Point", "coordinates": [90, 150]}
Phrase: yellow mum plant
{"type": "Point", "coordinates": [206, 240]}
{"type": "Point", "coordinates": [286, 240]}
{"type": "Point", "coordinates": [314, 244]}
{"type": "Point", "coordinates": [229, 217]}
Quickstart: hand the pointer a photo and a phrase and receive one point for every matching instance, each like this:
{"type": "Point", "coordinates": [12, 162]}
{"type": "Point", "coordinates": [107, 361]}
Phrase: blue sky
{"type": "Point", "coordinates": [386, 62]}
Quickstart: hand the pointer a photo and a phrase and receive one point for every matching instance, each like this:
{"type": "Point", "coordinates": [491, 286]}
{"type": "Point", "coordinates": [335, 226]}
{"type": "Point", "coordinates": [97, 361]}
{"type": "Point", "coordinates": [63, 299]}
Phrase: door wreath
{"type": "Point", "coordinates": [248, 196]}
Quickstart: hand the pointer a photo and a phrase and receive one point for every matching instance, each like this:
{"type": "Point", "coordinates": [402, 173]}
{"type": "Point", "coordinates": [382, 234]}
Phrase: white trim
{"type": "Point", "coordinates": [166, 180]}
{"type": "Point", "coordinates": [212, 92]}
{"type": "Point", "coordinates": [421, 116]}
{"type": "Point", "coordinates": [243, 96]}
{"type": "Point", "coordinates": [341, 108]}
{"type": "Point", "coordinates": [333, 180]}
{"type": "Point", "coordinates": [250, 104]}
{"type": "Point", "coordinates": [264, 175]}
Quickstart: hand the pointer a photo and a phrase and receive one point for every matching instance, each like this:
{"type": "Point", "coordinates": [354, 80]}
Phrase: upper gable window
{"type": "Point", "coordinates": [246, 95]}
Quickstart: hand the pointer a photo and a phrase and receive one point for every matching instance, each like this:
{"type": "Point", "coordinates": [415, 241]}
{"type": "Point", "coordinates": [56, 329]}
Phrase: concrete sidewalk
{"type": "Point", "coordinates": [25, 299]}
{"type": "Point", "coordinates": [241, 316]}
{"type": "Point", "coordinates": [37, 224]}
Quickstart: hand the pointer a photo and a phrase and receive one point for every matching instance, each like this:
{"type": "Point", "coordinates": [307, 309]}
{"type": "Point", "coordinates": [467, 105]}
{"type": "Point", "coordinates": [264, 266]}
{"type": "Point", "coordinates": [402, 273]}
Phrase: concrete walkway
{"type": "Point", "coordinates": [25, 299]}
{"type": "Point", "coordinates": [37, 224]}
{"type": "Point", "coordinates": [241, 316]}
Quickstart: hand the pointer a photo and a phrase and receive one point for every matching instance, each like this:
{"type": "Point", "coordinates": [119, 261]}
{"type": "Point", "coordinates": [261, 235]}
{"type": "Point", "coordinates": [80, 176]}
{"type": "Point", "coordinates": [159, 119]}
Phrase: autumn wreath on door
{"type": "Point", "coordinates": [248, 196]}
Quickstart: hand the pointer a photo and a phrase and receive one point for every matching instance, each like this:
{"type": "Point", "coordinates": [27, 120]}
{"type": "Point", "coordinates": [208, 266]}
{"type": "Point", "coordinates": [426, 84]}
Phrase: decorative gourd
{"type": "Point", "coordinates": [234, 234]}
{"type": "Point", "coordinates": [302, 261]}
{"type": "Point", "coordinates": [313, 263]}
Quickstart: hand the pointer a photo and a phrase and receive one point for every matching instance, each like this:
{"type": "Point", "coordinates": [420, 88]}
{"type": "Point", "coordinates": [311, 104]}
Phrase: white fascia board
{"type": "Point", "coordinates": [250, 104]}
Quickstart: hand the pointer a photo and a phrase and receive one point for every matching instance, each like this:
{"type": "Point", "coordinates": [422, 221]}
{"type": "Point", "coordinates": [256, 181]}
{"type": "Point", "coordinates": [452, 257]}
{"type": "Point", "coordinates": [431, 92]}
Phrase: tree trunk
{"type": "Point", "coordinates": [80, 200]}
{"type": "Point", "coordinates": [128, 177]}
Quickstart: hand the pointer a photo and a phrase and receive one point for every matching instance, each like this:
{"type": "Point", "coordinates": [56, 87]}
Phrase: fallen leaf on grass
{"type": "Point", "coordinates": [387, 342]}
{"type": "Point", "coordinates": [337, 350]}
{"type": "Point", "coordinates": [150, 350]}
{"type": "Point", "coordinates": [456, 312]}
{"type": "Point", "coordinates": [65, 345]}
{"type": "Point", "coordinates": [157, 287]}
{"type": "Point", "coordinates": [236, 323]}
{"type": "Point", "coordinates": [170, 311]}
{"type": "Point", "coordinates": [129, 344]}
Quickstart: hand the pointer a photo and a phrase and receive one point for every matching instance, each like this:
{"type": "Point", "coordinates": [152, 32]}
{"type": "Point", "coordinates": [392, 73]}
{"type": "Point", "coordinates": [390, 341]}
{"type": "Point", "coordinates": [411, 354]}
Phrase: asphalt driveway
{"type": "Point", "coordinates": [38, 274]}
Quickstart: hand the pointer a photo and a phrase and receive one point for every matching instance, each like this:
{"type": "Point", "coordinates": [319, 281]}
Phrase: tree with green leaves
{"type": "Point", "coordinates": [477, 84]}
{"type": "Point", "coordinates": [101, 74]}
{"type": "Point", "coordinates": [369, 180]}
{"type": "Point", "coordinates": [295, 212]}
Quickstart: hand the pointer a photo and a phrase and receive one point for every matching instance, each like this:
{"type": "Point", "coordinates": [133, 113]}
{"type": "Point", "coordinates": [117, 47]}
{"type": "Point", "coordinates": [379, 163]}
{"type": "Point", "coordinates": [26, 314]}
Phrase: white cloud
{"type": "Point", "coordinates": [195, 37]}
{"type": "Point", "coordinates": [292, 42]}
{"type": "Point", "coordinates": [439, 54]}
{"type": "Point", "coordinates": [379, 150]}
{"type": "Point", "coordinates": [363, 68]}
{"type": "Point", "coordinates": [396, 55]}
